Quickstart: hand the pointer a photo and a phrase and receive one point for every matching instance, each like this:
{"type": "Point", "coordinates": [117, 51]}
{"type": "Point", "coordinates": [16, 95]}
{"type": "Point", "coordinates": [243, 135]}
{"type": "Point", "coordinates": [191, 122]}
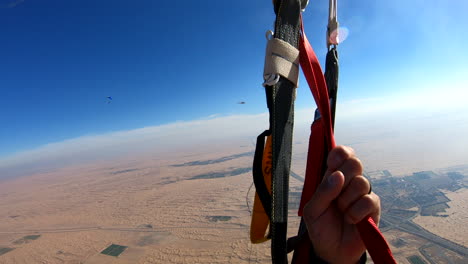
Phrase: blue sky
{"type": "Point", "coordinates": [169, 61]}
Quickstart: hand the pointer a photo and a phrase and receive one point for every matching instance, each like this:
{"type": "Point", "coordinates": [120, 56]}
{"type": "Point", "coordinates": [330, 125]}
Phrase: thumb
{"type": "Point", "coordinates": [327, 191]}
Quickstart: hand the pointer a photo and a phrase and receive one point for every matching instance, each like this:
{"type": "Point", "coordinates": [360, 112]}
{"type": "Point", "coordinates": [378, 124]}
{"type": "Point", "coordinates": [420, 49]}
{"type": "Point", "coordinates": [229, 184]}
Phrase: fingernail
{"type": "Point", "coordinates": [333, 179]}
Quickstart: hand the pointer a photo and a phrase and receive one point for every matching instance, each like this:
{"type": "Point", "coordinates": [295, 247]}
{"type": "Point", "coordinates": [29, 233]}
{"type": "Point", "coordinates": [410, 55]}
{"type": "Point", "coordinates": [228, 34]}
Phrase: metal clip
{"type": "Point", "coordinates": [333, 25]}
{"type": "Point", "coordinates": [270, 79]}
{"type": "Point", "coordinates": [304, 4]}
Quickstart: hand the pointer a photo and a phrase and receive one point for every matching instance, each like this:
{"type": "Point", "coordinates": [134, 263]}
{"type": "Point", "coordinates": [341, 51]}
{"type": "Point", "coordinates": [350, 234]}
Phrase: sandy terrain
{"type": "Point", "coordinates": [411, 248]}
{"type": "Point", "coordinates": [452, 227]}
{"type": "Point", "coordinates": [155, 209]}
{"type": "Point", "coordinates": [149, 206]}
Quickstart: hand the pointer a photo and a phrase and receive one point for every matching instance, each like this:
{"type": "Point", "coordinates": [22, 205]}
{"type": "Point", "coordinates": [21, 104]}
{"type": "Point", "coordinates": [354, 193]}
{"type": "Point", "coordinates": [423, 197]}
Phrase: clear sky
{"type": "Point", "coordinates": [169, 61]}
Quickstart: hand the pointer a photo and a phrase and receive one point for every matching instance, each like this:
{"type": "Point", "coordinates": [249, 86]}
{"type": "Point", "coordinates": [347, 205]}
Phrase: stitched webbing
{"type": "Point", "coordinates": [282, 121]}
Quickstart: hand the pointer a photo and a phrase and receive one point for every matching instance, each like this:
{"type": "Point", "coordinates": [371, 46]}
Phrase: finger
{"type": "Point", "coordinates": [357, 187]}
{"type": "Point", "coordinates": [326, 192]}
{"type": "Point", "coordinates": [338, 155]}
{"type": "Point", "coordinates": [342, 158]}
{"type": "Point", "coordinates": [367, 205]}
{"type": "Point", "coordinates": [351, 168]}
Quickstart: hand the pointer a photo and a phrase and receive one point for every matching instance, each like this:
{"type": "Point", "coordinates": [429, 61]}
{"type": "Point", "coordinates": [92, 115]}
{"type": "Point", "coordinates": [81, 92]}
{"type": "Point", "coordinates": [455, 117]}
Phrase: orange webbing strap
{"type": "Point", "coordinates": [260, 219]}
{"type": "Point", "coordinates": [368, 230]}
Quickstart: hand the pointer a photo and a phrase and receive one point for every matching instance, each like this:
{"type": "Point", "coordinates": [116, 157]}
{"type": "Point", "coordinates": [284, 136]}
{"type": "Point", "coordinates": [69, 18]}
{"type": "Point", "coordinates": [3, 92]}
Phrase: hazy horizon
{"type": "Point", "coordinates": [394, 131]}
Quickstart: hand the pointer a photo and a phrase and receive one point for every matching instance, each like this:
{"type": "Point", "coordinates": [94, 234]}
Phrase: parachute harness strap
{"type": "Point", "coordinates": [280, 100]}
{"type": "Point", "coordinates": [281, 59]}
{"type": "Point", "coordinates": [323, 141]}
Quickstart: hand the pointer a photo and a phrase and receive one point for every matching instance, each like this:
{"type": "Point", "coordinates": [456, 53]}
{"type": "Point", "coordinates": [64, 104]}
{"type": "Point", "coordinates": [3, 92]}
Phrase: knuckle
{"type": "Point", "coordinates": [354, 164]}
{"type": "Point", "coordinates": [350, 150]}
{"type": "Point", "coordinates": [358, 187]}
{"type": "Point", "coordinates": [343, 151]}
{"type": "Point", "coordinates": [368, 200]}
{"type": "Point", "coordinates": [360, 184]}
{"type": "Point", "coordinates": [367, 205]}
{"type": "Point", "coordinates": [361, 208]}
{"type": "Point", "coordinates": [338, 153]}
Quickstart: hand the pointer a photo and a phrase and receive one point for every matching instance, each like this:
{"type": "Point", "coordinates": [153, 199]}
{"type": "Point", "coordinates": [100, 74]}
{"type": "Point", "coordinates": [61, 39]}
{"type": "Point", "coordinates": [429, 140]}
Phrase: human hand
{"type": "Point", "coordinates": [341, 200]}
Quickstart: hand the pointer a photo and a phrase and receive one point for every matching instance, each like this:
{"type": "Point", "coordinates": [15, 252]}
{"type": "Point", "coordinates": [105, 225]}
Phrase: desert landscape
{"type": "Point", "coordinates": [452, 226]}
{"type": "Point", "coordinates": [188, 206]}
{"type": "Point", "coordinates": [163, 211]}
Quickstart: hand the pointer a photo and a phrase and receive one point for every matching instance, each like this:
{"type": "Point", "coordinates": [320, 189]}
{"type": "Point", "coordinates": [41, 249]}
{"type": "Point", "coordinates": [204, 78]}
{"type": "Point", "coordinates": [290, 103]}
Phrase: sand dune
{"type": "Point", "coordinates": [185, 208]}
{"type": "Point", "coordinates": [150, 206]}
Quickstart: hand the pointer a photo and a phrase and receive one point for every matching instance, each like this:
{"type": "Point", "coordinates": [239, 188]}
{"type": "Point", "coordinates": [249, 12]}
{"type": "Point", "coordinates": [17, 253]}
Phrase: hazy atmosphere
{"type": "Point", "coordinates": [398, 134]}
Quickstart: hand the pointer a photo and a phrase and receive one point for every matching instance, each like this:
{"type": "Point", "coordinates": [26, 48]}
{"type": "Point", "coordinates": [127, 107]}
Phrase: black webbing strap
{"type": "Point", "coordinates": [331, 77]}
{"type": "Point", "coordinates": [287, 28]}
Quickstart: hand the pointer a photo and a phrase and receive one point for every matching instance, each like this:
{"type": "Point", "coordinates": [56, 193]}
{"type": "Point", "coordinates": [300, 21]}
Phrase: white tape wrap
{"type": "Point", "coordinates": [283, 59]}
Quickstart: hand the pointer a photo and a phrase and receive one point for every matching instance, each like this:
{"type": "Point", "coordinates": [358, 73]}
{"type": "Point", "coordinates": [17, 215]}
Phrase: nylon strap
{"type": "Point", "coordinates": [280, 101]}
{"type": "Point", "coordinates": [261, 212]}
{"type": "Point", "coordinates": [287, 28]}
{"type": "Point", "coordinates": [322, 127]}
{"type": "Point", "coordinates": [331, 77]}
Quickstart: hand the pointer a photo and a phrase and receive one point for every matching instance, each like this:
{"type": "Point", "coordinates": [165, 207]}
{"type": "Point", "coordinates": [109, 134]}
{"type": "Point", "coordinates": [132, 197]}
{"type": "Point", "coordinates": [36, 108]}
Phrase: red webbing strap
{"type": "Point", "coordinates": [368, 230]}
{"type": "Point", "coordinates": [314, 76]}
{"type": "Point", "coordinates": [315, 159]}
{"type": "Point", "coordinates": [321, 128]}
{"type": "Point", "coordinates": [375, 242]}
